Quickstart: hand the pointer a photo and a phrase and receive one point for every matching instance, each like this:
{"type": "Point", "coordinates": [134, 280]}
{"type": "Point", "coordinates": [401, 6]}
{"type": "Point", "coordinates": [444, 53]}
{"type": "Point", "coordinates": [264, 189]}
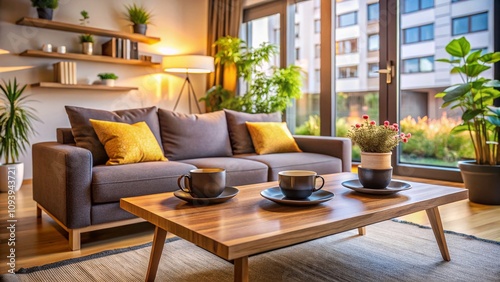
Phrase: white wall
{"type": "Point", "coordinates": [181, 25]}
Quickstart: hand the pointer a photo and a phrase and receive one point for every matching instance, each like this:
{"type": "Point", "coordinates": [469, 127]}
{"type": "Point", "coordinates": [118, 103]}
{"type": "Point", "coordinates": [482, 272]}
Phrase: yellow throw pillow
{"type": "Point", "coordinates": [271, 137]}
{"type": "Point", "coordinates": [127, 143]}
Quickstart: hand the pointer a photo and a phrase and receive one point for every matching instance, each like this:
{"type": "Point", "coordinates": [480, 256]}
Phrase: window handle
{"type": "Point", "coordinates": [389, 72]}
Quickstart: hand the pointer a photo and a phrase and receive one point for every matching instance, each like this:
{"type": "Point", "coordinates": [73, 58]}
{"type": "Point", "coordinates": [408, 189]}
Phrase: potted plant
{"type": "Point", "coordinates": [376, 143]}
{"type": "Point", "coordinates": [139, 16]}
{"type": "Point", "coordinates": [87, 41]}
{"type": "Point", "coordinates": [15, 128]}
{"type": "Point", "coordinates": [45, 8]}
{"type": "Point", "coordinates": [474, 97]}
{"type": "Point", "coordinates": [85, 20]}
{"type": "Point", "coordinates": [268, 90]}
{"type": "Point", "coordinates": [108, 78]}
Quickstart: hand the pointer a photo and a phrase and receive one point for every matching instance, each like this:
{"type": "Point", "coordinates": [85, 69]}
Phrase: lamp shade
{"type": "Point", "coordinates": [188, 64]}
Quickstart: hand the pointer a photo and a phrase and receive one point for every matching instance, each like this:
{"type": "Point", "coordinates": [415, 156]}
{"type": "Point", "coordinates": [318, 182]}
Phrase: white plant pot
{"type": "Point", "coordinates": [109, 82]}
{"type": "Point", "coordinates": [11, 177]}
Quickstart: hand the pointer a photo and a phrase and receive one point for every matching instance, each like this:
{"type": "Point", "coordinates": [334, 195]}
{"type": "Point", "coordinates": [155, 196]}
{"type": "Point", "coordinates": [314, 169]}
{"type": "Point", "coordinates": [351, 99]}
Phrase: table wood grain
{"type": "Point", "coordinates": [249, 224]}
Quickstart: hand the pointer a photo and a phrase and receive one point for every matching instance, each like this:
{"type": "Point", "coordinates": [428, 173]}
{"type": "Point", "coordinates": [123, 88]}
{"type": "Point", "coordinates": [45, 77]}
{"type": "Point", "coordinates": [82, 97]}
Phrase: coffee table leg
{"type": "Point", "coordinates": [437, 228]}
{"type": "Point", "coordinates": [156, 250]}
{"type": "Point", "coordinates": [241, 269]}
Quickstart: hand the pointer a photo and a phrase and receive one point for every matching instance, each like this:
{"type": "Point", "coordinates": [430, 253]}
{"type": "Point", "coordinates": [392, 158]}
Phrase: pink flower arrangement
{"type": "Point", "coordinates": [374, 138]}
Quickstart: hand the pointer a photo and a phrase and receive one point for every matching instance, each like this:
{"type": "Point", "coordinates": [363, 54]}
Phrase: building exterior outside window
{"type": "Point", "coordinates": [373, 42]}
{"type": "Point", "coordinates": [348, 72]}
{"type": "Point", "coordinates": [418, 34]}
{"type": "Point", "coordinates": [410, 6]}
{"type": "Point", "coordinates": [347, 46]}
{"type": "Point", "coordinates": [373, 12]}
{"type": "Point", "coordinates": [348, 19]}
{"type": "Point", "coordinates": [424, 64]}
{"type": "Point", "coordinates": [469, 24]}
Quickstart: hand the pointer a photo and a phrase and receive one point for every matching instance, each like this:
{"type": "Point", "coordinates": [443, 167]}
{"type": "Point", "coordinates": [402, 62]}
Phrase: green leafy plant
{"type": "Point", "coordinates": [474, 96]}
{"type": "Point", "coordinates": [374, 138]}
{"type": "Point", "coordinates": [268, 90]}
{"type": "Point", "coordinates": [138, 14]}
{"type": "Point", "coordinates": [44, 4]}
{"type": "Point", "coordinates": [16, 121]}
{"type": "Point", "coordinates": [107, 75]}
{"type": "Point", "coordinates": [86, 38]}
{"type": "Point", "coordinates": [85, 17]}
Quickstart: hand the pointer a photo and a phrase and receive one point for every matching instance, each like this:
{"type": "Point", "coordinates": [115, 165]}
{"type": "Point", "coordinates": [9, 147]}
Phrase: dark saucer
{"type": "Point", "coordinates": [227, 194]}
{"type": "Point", "coordinates": [274, 194]}
{"type": "Point", "coordinates": [394, 187]}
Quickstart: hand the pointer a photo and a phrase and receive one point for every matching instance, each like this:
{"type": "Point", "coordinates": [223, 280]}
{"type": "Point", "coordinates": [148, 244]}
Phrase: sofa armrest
{"type": "Point", "coordinates": [333, 146]}
{"type": "Point", "coordinates": [62, 176]}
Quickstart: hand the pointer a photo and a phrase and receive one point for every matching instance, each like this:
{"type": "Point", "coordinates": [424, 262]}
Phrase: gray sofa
{"type": "Point", "coordinates": [72, 184]}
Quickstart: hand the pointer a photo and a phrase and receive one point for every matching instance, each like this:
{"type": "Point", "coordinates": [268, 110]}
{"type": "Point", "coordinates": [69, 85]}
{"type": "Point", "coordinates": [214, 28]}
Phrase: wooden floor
{"type": "Point", "coordinates": [42, 241]}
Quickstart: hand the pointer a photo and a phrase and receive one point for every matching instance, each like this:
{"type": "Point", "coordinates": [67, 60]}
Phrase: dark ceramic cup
{"type": "Point", "coordinates": [203, 182]}
{"type": "Point", "coordinates": [299, 184]}
{"type": "Point", "coordinates": [374, 178]}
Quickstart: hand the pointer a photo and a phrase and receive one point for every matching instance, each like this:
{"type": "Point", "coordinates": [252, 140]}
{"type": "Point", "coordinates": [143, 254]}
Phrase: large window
{"type": "Point", "coordinates": [373, 12]}
{"type": "Point", "coordinates": [468, 24]}
{"type": "Point", "coordinates": [347, 46]}
{"type": "Point", "coordinates": [347, 19]}
{"type": "Point", "coordinates": [373, 42]}
{"type": "Point", "coordinates": [418, 34]}
{"type": "Point", "coordinates": [410, 6]}
{"type": "Point", "coordinates": [424, 64]}
{"type": "Point", "coordinates": [348, 72]}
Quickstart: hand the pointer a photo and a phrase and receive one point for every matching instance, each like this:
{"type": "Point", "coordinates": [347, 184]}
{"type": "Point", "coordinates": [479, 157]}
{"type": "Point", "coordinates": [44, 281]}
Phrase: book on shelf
{"type": "Point", "coordinates": [126, 49]}
{"type": "Point", "coordinates": [134, 50]}
{"type": "Point", "coordinates": [65, 72]}
{"type": "Point", "coordinates": [109, 48]}
{"type": "Point", "coordinates": [119, 48]}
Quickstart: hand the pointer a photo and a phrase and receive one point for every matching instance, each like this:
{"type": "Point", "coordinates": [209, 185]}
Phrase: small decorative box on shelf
{"type": "Point", "coordinates": [83, 86]}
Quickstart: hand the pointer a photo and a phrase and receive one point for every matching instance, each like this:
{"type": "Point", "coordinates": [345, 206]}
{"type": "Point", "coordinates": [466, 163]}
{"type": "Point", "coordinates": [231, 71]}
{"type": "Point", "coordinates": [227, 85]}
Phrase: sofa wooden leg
{"type": "Point", "coordinates": [38, 212]}
{"type": "Point", "coordinates": [362, 230]}
{"type": "Point", "coordinates": [74, 239]}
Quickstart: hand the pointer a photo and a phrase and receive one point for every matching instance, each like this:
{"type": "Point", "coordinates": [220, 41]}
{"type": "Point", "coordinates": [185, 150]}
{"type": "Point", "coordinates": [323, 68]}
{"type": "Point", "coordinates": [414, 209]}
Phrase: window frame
{"type": "Point", "coordinates": [338, 43]}
{"type": "Point", "coordinates": [355, 13]}
{"type": "Point", "coordinates": [403, 8]}
{"type": "Point", "coordinates": [404, 71]}
{"type": "Point", "coordinates": [419, 34]}
{"type": "Point", "coordinates": [368, 42]}
{"type": "Point", "coordinates": [339, 72]}
{"type": "Point", "coordinates": [368, 12]}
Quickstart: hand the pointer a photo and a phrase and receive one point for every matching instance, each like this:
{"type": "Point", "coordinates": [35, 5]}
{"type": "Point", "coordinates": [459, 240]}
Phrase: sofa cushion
{"type": "Point", "coordinates": [127, 143]}
{"type": "Point", "coordinates": [238, 171]}
{"type": "Point", "coordinates": [188, 136]}
{"type": "Point", "coordinates": [85, 136]}
{"type": "Point", "coordinates": [241, 141]}
{"type": "Point", "coordinates": [322, 164]}
{"type": "Point", "coordinates": [110, 183]}
{"type": "Point", "coordinates": [271, 137]}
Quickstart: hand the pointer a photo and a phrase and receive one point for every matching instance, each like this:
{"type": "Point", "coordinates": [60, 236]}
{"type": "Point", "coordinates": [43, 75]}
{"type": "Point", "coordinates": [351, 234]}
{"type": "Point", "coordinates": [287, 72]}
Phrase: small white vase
{"type": "Point", "coordinates": [87, 48]}
{"type": "Point", "coordinates": [109, 82]}
{"type": "Point", "coordinates": [376, 160]}
{"type": "Point", "coordinates": [11, 177]}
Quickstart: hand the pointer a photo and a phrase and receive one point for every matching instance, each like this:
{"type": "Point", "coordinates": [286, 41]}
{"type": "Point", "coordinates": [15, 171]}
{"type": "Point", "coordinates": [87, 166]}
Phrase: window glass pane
{"type": "Point", "coordinates": [460, 25]}
{"type": "Point", "coordinates": [410, 6]}
{"type": "Point", "coordinates": [479, 22]}
{"type": "Point", "coordinates": [410, 65]}
{"type": "Point", "coordinates": [373, 12]}
{"type": "Point", "coordinates": [348, 72]}
{"type": "Point", "coordinates": [348, 19]}
{"type": "Point", "coordinates": [373, 42]}
{"type": "Point", "coordinates": [303, 116]}
{"type": "Point", "coordinates": [426, 64]}
{"type": "Point", "coordinates": [425, 4]}
{"type": "Point", "coordinates": [372, 68]}
{"type": "Point", "coordinates": [427, 32]}
{"type": "Point", "coordinates": [411, 35]}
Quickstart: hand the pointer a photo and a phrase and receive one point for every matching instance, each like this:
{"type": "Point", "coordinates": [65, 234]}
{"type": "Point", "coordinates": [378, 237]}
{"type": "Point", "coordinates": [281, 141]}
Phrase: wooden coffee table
{"type": "Point", "coordinates": [248, 224]}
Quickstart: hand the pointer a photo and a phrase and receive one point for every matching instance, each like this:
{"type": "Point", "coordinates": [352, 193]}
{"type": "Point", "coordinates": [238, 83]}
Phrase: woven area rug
{"type": "Point", "coordinates": [390, 251]}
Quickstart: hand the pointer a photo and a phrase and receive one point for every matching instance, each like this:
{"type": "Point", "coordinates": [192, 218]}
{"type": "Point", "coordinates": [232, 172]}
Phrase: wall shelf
{"type": "Point", "coordinates": [83, 57]}
{"type": "Point", "coordinates": [83, 86]}
{"type": "Point", "coordinates": [41, 23]}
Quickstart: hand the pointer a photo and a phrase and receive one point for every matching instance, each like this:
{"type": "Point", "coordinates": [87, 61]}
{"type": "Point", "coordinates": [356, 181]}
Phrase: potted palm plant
{"type": "Point", "coordinates": [15, 128]}
{"type": "Point", "coordinates": [45, 8]}
{"type": "Point", "coordinates": [140, 18]}
{"type": "Point", "coordinates": [268, 89]}
{"type": "Point", "coordinates": [475, 96]}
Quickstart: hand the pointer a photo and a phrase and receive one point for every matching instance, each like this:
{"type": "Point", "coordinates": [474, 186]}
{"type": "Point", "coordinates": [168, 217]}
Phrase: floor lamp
{"type": "Point", "coordinates": [188, 64]}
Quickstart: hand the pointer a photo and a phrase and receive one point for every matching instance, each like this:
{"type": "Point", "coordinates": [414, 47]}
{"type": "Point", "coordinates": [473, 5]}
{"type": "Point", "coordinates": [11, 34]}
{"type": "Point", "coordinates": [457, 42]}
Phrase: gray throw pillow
{"type": "Point", "coordinates": [85, 136]}
{"type": "Point", "coordinates": [190, 136]}
{"type": "Point", "coordinates": [241, 141]}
